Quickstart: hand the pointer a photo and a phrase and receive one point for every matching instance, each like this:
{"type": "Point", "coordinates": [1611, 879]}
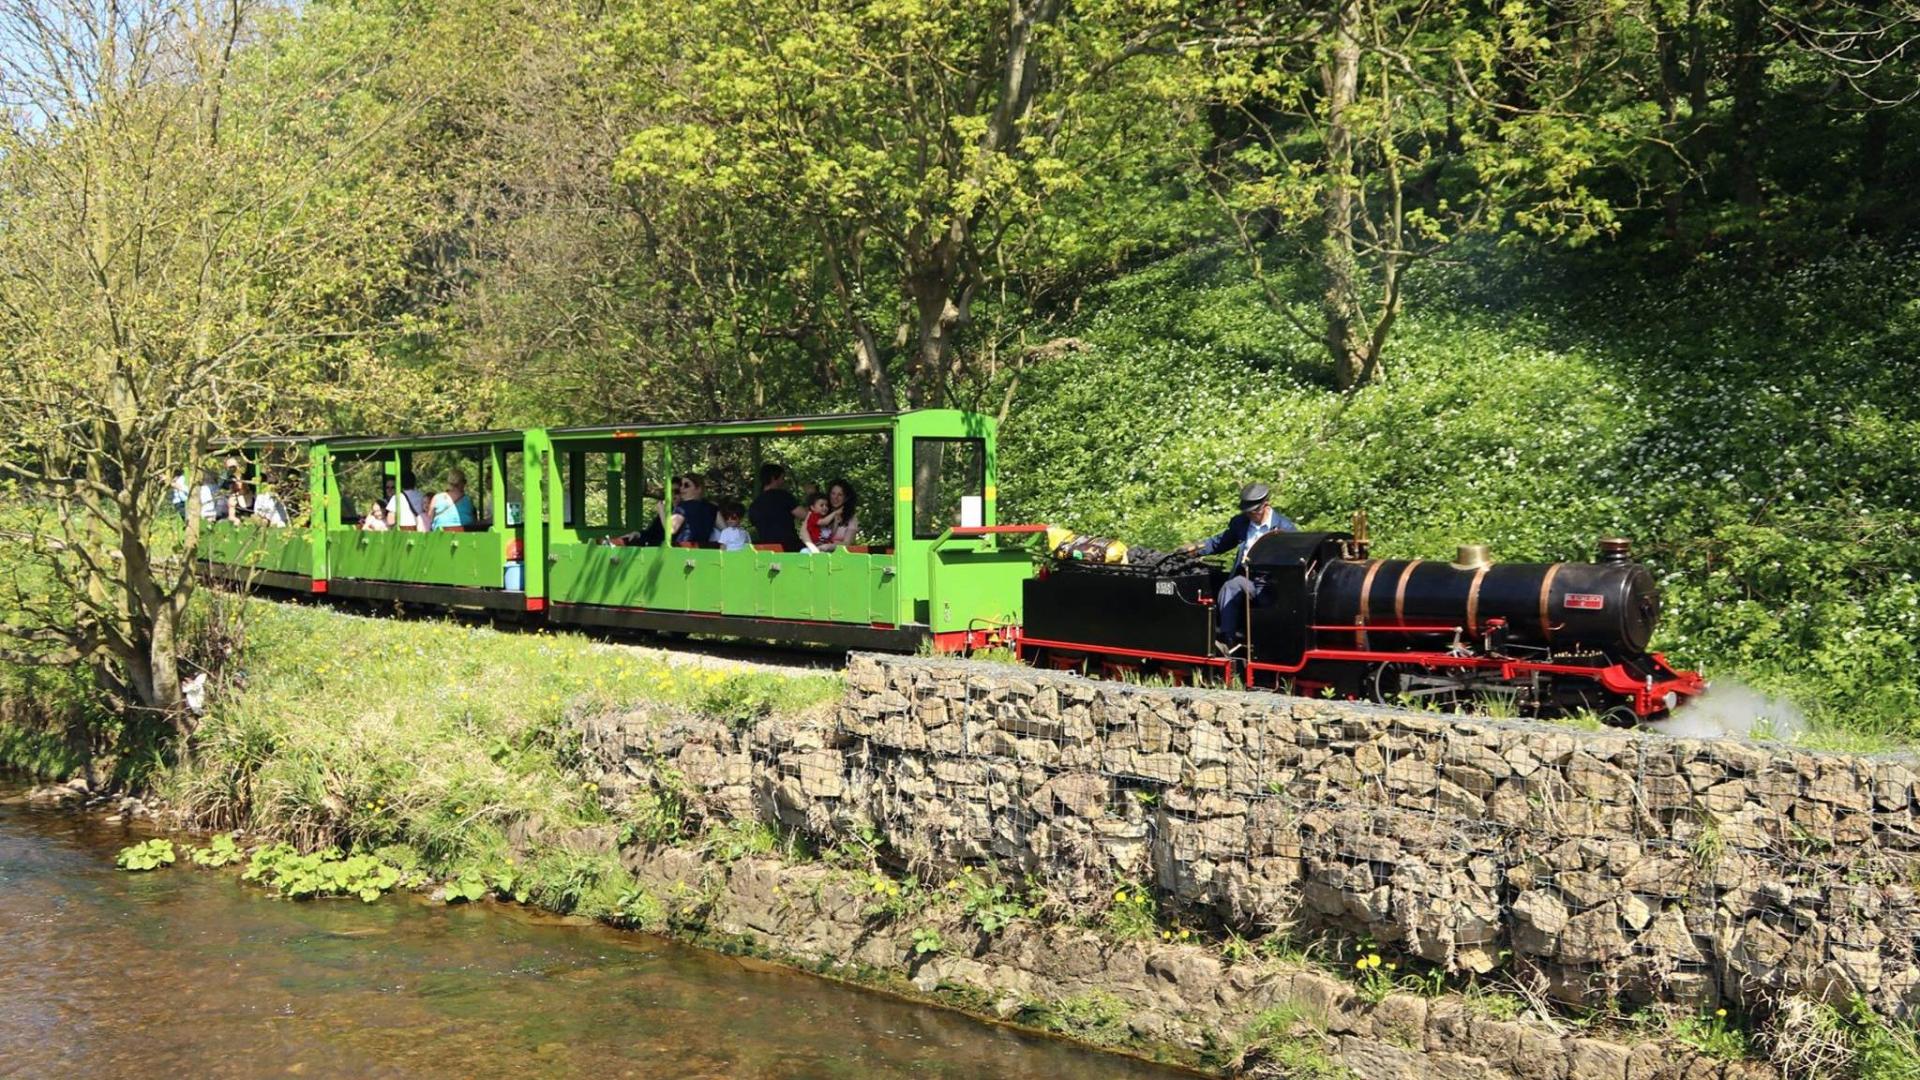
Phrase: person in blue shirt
{"type": "Point", "coordinates": [451, 510]}
{"type": "Point", "coordinates": [1256, 519]}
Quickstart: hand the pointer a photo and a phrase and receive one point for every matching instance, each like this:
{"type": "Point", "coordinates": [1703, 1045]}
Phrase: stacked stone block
{"type": "Point", "coordinates": [1610, 867]}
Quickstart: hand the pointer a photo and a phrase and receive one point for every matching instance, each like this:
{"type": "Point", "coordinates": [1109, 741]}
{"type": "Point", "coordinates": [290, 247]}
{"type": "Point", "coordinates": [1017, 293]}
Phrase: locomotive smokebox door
{"type": "Point", "coordinates": [1288, 563]}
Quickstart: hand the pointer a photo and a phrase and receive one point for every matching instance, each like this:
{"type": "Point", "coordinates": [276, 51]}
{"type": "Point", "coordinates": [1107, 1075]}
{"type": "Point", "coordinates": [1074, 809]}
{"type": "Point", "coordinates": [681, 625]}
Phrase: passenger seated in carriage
{"type": "Point", "coordinates": [451, 510]}
{"type": "Point", "coordinates": [731, 536]}
{"type": "Point", "coordinates": [693, 516]}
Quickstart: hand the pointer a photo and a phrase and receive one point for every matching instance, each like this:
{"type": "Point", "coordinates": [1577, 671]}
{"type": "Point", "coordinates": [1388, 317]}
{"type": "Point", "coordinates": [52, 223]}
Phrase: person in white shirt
{"type": "Point", "coordinates": [405, 510]}
{"type": "Point", "coordinates": [268, 508]}
{"type": "Point", "coordinates": [731, 535]}
{"type": "Point", "coordinates": [208, 493]}
{"type": "Point", "coordinates": [375, 519]}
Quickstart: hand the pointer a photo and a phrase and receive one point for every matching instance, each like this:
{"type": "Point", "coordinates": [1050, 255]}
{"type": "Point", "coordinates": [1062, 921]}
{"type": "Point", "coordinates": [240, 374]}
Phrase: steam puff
{"type": "Point", "coordinates": [1734, 708]}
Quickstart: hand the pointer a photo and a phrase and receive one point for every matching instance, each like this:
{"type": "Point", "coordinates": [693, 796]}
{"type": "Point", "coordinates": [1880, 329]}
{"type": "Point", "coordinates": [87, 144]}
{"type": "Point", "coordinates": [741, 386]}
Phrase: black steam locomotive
{"type": "Point", "coordinates": [1527, 639]}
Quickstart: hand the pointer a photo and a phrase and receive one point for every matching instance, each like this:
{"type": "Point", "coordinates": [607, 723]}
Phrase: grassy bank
{"type": "Point", "coordinates": [1749, 420]}
{"type": "Point", "coordinates": [435, 744]}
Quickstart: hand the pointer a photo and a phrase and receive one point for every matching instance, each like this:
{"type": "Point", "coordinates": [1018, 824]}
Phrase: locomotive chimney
{"type": "Point", "coordinates": [1615, 550]}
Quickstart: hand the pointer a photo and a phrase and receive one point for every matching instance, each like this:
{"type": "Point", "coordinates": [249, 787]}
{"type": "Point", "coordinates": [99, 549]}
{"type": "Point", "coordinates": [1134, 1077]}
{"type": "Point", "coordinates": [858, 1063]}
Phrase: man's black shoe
{"type": "Point", "coordinates": [1225, 647]}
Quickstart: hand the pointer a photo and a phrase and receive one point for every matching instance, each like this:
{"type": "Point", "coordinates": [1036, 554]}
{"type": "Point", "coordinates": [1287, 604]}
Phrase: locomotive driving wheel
{"type": "Point", "coordinates": [1392, 684]}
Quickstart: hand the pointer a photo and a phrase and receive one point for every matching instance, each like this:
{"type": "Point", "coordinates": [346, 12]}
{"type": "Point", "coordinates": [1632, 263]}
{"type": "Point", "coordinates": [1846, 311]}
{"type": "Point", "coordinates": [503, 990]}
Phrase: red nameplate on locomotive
{"type": "Point", "coordinates": [1586, 601]}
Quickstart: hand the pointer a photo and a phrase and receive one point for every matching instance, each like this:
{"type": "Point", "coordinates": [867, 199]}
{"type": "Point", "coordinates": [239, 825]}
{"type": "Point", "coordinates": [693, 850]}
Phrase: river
{"type": "Point", "coordinates": [185, 972]}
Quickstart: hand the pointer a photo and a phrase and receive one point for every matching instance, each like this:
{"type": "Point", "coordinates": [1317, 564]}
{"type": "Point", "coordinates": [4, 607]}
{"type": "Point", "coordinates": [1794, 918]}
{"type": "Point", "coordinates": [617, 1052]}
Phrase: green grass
{"type": "Point", "coordinates": [1094, 1016]}
{"type": "Point", "coordinates": [439, 737]}
{"type": "Point", "coordinates": [1285, 1040]}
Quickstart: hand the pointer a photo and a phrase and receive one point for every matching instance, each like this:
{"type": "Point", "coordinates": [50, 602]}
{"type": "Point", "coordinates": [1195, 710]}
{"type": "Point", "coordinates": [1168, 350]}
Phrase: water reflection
{"type": "Point", "coordinates": [109, 974]}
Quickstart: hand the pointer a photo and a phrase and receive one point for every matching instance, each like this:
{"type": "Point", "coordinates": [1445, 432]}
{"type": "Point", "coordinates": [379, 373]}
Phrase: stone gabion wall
{"type": "Point", "coordinates": [1606, 867]}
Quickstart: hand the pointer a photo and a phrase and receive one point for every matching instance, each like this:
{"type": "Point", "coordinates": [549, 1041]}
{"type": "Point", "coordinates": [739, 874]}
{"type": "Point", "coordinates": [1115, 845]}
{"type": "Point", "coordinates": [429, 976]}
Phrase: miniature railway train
{"type": "Point", "coordinates": [553, 506]}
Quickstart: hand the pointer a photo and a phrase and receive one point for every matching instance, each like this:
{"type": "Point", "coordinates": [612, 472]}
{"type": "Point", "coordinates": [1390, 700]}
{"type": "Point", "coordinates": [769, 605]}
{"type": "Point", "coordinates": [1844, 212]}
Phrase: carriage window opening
{"type": "Point", "coordinates": [513, 507]}
{"type": "Point", "coordinates": [946, 472]}
{"type": "Point", "coordinates": [587, 489]}
{"type": "Point", "coordinates": [605, 489]}
{"type": "Point", "coordinates": [361, 483]}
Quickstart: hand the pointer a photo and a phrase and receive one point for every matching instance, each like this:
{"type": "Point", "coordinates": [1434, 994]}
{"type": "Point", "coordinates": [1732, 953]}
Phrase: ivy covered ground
{"type": "Point", "coordinates": [1751, 422]}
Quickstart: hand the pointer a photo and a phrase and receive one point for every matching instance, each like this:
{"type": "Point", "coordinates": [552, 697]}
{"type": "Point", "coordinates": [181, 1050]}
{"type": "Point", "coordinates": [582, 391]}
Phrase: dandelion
{"type": "Point", "coordinates": [1721, 1013]}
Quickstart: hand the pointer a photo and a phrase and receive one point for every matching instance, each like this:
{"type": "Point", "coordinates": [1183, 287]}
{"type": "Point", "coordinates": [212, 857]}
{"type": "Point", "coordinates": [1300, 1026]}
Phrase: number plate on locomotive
{"type": "Point", "coordinates": [1586, 601]}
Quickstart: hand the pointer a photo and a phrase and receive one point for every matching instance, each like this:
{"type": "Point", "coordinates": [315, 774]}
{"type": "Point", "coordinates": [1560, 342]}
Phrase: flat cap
{"type": "Point", "coordinates": [1252, 495]}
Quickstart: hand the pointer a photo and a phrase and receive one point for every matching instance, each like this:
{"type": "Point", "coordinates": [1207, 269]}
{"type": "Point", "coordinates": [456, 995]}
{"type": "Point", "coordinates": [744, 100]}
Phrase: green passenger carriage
{"type": "Point", "coordinates": [939, 568]}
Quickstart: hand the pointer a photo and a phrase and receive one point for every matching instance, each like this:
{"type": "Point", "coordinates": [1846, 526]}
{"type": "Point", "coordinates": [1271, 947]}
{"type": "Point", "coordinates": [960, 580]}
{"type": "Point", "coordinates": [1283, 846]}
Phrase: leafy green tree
{"type": "Point", "coordinates": [1371, 135]}
{"type": "Point", "coordinates": [187, 225]}
{"type": "Point", "coordinates": [903, 156]}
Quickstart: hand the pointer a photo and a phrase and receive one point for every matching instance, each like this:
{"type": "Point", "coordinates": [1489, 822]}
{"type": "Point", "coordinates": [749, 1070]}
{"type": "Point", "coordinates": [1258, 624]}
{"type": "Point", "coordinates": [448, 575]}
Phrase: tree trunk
{"type": "Point", "coordinates": [1745, 80]}
{"type": "Point", "coordinates": [869, 363]}
{"type": "Point", "coordinates": [1877, 130]}
{"type": "Point", "coordinates": [938, 316]}
{"type": "Point", "coordinates": [1669, 167]}
{"type": "Point", "coordinates": [1345, 338]}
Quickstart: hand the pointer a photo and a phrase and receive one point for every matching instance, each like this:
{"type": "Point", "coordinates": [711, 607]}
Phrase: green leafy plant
{"type": "Point", "coordinates": [927, 941]}
{"type": "Point", "coordinates": [891, 899]}
{"type": "Point", "coordinates": [510, 883]}
{"type": "Point", "coordinates": [739, 839]}
{"type": "Point", "coordinates": [326, 872]}
{"type": "Point", "coordinates": [1133, 914]}
{"type": "Point", "coordinates": [989, 904]}
{"type": "Point", "coordinates": [659, 812]}
{"type": "Point", "coordinates": [222, 850]}
{"type": "Point", "coordinates": [1374, 977]}
{"type": "Point", "coordinates": [1713, 1033]}
{"type": "Point", "coordinates": [636, 907]}
{"type": "Point", "coordinates": [1494, 1002]}
{"type": "Point", "coordinates": [469, 886]}
{"type": "Point", "coordinates": [146, 855]}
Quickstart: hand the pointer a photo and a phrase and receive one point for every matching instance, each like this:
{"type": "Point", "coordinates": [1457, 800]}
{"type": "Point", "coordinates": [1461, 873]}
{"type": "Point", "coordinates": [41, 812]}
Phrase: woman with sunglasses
{"type": "Point", "coordinates": [693, 516]}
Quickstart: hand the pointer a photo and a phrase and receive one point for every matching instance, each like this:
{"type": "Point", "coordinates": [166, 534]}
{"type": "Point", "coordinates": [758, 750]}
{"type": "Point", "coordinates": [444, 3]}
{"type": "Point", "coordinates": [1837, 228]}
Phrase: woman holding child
{"type": "Point", "coordinates": [843, 514]}
{"type": "Point", "coordinates": [833, 519]}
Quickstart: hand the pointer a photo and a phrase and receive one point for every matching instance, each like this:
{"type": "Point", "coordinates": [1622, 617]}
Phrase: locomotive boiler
{"type": "Point", "coordinates": [1537, 639]}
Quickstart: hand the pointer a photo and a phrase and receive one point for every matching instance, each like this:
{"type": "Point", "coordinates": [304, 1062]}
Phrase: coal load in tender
{"type": "Point", "coordinates": [1151, 603]}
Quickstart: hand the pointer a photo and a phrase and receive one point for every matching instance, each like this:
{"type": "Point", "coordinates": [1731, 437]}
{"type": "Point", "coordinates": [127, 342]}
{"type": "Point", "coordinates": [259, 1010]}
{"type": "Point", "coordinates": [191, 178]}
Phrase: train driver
{"type": "Point", "coordinates": [1255, 519]}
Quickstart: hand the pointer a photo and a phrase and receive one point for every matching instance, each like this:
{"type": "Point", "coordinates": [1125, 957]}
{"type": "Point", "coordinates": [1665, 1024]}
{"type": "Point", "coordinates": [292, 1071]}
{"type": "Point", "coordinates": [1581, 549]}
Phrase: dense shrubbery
{"type": "Point", "coordinates": [1756, 432]}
